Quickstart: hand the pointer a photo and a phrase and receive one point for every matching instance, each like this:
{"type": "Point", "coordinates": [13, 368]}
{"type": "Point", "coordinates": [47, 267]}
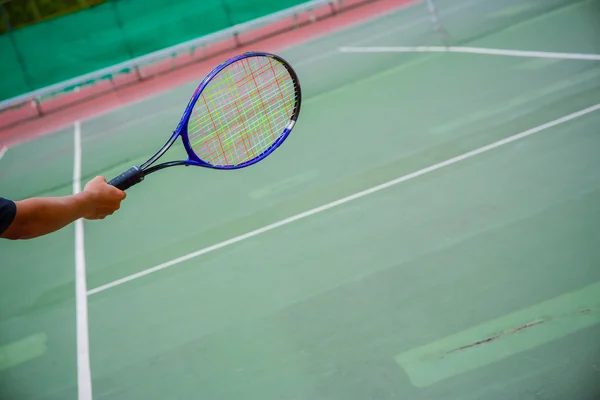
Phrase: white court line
{"type": "Point", "coordinates": [300, 63]}
{"type": "Point", "coordinates": [473, 50]}
{"type": "Point", "coordinates": [84, 380]}
{"type": "Point", "coordinates": [369, 38]}
{"type": "Point", "coordinates": [3, 151]}
{"type": "Point", "coordinates": [305, 61]}
{"type": "Point", "coordinates": [347, 199]}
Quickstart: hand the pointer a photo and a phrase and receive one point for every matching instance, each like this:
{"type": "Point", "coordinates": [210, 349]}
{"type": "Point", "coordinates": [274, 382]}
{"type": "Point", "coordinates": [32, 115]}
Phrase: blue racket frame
{"type": "Point", "coordinates": [136, 174]}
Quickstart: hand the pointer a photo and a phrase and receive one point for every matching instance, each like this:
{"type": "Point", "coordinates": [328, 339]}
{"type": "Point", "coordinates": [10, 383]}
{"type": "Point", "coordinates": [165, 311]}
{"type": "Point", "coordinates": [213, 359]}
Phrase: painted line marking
{"type": "Point", "coordinates": [84, 379]}
{"type": "Point", "coordinates": [304, 61]}
{"type": "Point", "coordinates": [3, 151]}
{"type": "Point", "coordinates": [423, 20]}
{"type": "Point", "coordinates": [472, 50]}
{"type": "Point", "coordinates": [402, 27]}
{"type": "Point", "coordinates": [346, 199]}
{"type": "Point", "coordinates": [503, 337]}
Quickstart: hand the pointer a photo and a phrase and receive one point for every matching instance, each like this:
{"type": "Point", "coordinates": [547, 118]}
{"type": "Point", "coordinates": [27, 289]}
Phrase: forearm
{"type": "Point", "coordinates": [43, 215]}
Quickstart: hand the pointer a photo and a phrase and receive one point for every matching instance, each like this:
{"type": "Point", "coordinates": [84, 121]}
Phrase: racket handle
{"type": "Point", "coordinates": [128, 178]}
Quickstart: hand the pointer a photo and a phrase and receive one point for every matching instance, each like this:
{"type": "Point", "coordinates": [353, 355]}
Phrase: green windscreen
{"type": "Point", "coordinates": [118, 30]}
{"type": "Point", "coordinates": [113, 32]}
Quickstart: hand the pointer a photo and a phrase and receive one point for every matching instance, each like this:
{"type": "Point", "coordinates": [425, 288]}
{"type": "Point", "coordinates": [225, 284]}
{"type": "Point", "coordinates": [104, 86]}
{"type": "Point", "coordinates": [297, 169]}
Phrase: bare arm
{"type": "Point", "coordinates": [43, 215]}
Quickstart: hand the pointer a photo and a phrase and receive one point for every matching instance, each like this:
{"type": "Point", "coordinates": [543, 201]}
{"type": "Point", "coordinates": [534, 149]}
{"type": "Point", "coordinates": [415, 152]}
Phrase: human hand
{"type": "Point", "coordinates": [101, 199]}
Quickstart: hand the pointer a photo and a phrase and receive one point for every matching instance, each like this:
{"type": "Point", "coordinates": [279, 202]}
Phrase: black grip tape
{"type": "Point", "coordinates": [128, 178]}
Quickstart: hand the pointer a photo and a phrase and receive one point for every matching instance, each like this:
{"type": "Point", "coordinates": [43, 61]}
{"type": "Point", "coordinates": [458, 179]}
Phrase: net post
{"type": "Point", "coordinates": [137, 72]}
{"type": "Point", "coordinates": [38, 106]}
{"type": "Point", "coordinates": [332, 4]}
{"type": "Point", "coordinates": [435, 20]}
{"type": "Point", "coordinates": [229, 17]}
{"type": "Point", "coordinates": [127, 45]}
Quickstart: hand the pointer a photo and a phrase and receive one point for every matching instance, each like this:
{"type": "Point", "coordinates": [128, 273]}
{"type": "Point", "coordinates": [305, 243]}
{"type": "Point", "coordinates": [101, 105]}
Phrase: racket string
{"type": "Point", "coordinates": [251, 127]}
{"type": "Point", "coordinates": [228, 107]}
{"type": "Point", "coordinates": [254, 130]}
{"type": "Point", "coordinates": [217, 96]}
{"type": "Point", "coordinates": [243, 111]}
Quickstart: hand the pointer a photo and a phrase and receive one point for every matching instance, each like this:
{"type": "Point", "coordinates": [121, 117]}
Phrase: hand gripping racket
{"type": "Point", "coordinates": [239, 114]}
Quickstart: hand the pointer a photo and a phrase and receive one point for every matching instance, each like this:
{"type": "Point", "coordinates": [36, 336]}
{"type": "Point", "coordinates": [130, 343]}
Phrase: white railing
{"type": "Point", "coordinates": [35, 97]}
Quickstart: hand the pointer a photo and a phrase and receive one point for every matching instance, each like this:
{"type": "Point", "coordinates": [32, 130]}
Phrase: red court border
{"type": "Point", "coordinates": [352, 13]}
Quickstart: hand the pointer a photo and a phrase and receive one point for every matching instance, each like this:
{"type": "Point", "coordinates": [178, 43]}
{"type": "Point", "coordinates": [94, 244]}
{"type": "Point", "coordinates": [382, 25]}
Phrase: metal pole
{"type": "Point", "coordinates": [230, 21]}
{"type": "Point", "coordinates": [436, 21]}
{"type": "Point", "coordinates": [125, 42]}
{"type": "Point", "coordinates": [332, 5]}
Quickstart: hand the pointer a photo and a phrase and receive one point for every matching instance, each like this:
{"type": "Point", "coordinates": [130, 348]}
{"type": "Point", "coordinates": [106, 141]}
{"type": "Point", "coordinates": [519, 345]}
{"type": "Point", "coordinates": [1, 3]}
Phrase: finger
{"type": "Point", "coordinates": [106, 211]}
{"type": "Point", "coordinates": [109, 210]}
{"type": "Point", "coordinates": [118, 193]}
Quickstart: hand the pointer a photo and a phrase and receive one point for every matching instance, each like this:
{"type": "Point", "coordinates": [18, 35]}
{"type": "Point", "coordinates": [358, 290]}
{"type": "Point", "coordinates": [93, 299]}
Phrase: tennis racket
{"type": "Point", "coordinates": [240, 113]}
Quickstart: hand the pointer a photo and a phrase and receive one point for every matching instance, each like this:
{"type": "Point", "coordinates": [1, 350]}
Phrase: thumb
{"type": "Point", "coordinates": [98, 179]}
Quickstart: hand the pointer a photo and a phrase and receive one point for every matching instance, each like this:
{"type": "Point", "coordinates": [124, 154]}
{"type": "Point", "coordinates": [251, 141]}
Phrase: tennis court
{"type": "Point", "coordinates": [429, 231]}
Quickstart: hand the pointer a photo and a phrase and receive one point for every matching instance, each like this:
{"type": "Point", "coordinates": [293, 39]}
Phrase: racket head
{"type": "Point", "coordinates": [241, 112]}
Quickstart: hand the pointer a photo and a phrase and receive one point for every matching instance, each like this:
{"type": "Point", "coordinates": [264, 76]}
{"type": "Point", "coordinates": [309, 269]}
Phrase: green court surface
{"type": "Point", "coordinates": [475, 279]}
